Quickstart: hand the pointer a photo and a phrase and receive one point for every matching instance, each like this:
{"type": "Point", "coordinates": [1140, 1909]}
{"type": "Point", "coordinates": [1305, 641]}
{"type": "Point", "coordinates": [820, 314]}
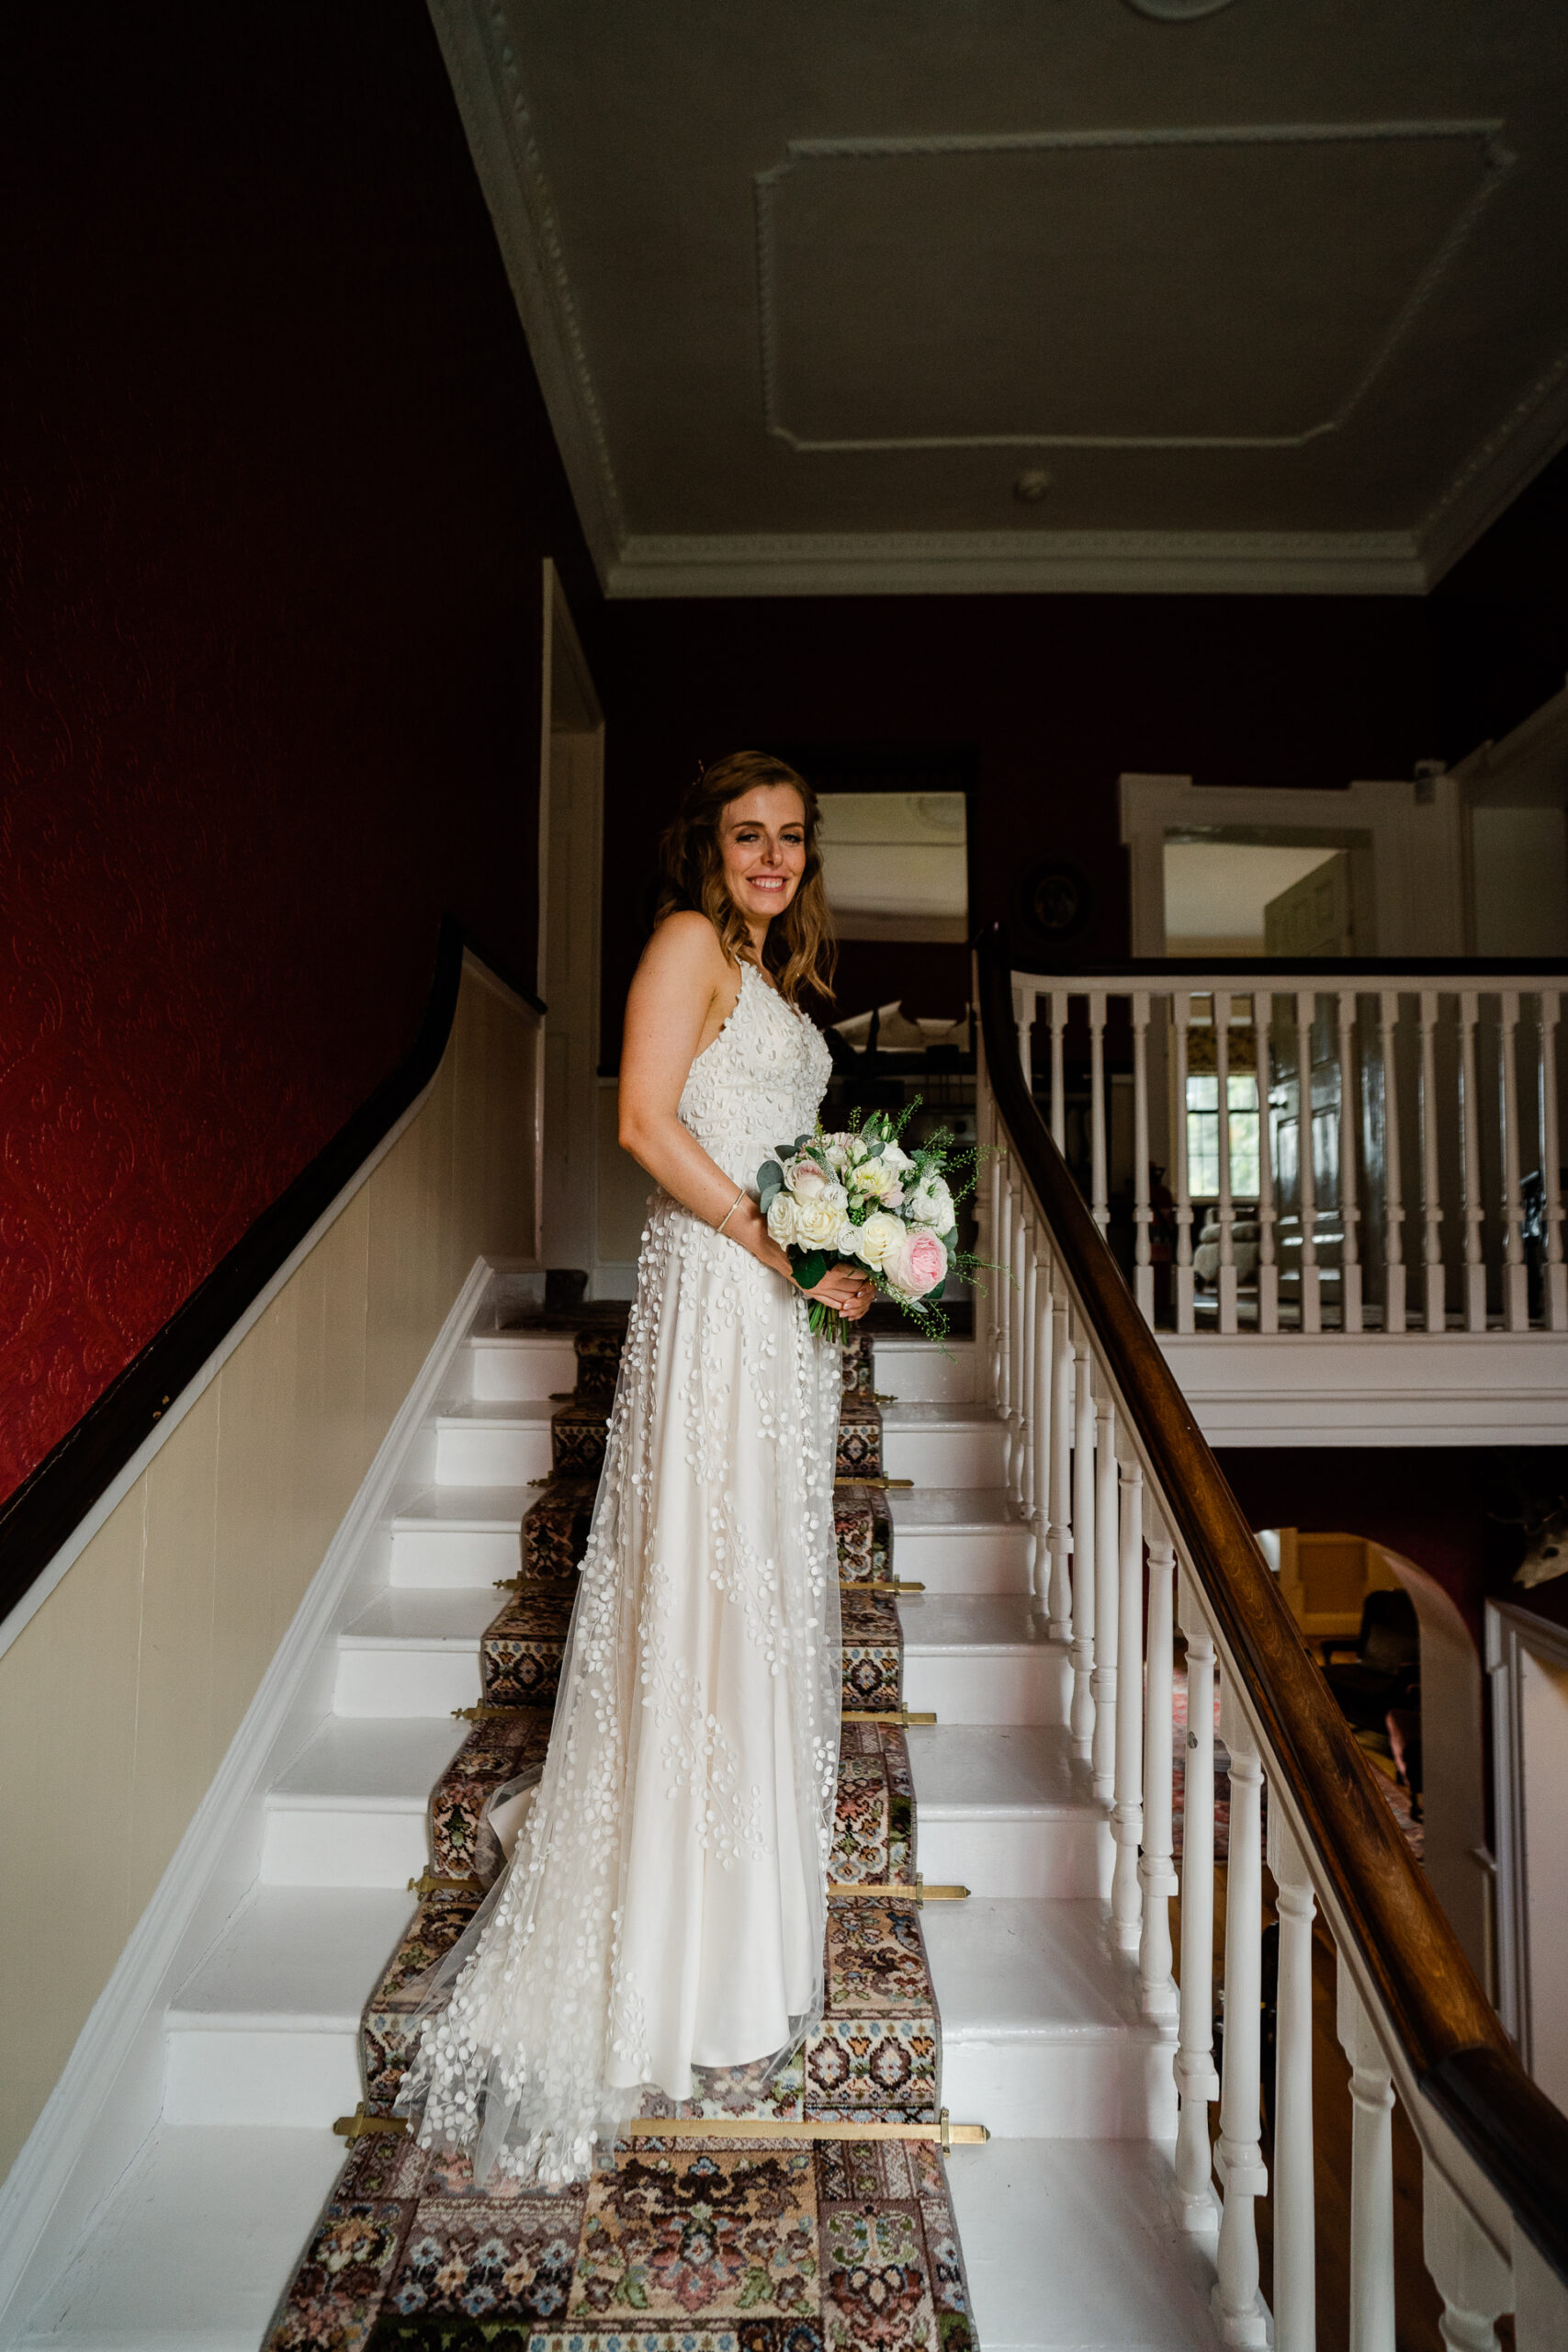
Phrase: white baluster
{"type": "Point", "coordinates": [1393, 1302]}
{"type": "Point", "coordinates": [1238, 2307]}
{"type": "Point", "coordinates": [1221, 1005]}
{"type": "Point", "coordinates": [1196, 2080]}
{"type": "Point", "coordinates": [1107, 1599]}
{"type": "Point", "coordinates": [984, 1121]}
{"type": "Point", "coordinates": [1143, 1273]}
{"type": "Point", "coordinates": [1181, 1015]}
{"type": "Point", "coordinates": [1058, 1076]}
{"type": "Point", "coordinates": [1040, 1393]}
{"type": "Point", "coordinates": [1295, 2226]}
{"type": "Point", "coordinates": [1059, 1625]}
{"type": "Point", "coordinates": [1312, 1299]}
{"type": "Point", "coordinates": [1026, 1335]}
{"type": "Point", "coordinates": [1476, 2283]}
{"type": "Point", "coordinates": [1515, 1281]}
{"type": "Point", "coordinates": [1268, 1269]}
{"type": "Point", "coordinates": [1098, 1184]}
{"type": "Point", "coordinates": [1007, 1306]}
{"type": "Point", "coordinates": [1349, 1212]}
{"type": "Point", "coordinates": [1016, 1367]}
{"type": "Point", "coordinates": [1555, 1279]}
{"type": "Point", "coordinates": [1081, 1714]}
{"type": "Point", "coordinates": [1474, 1207]}
{"type": "Point", "coordinates": [1156, 1872]}
{"type": "Point", "coordinates": [1372, 2175]}
{"type": "Point", "coordinates": [1127, 1814]}
{"type": "Point", "coordinates": [1435, 1303]}
{"type": "Point", "coordinates": [1024, 1002]}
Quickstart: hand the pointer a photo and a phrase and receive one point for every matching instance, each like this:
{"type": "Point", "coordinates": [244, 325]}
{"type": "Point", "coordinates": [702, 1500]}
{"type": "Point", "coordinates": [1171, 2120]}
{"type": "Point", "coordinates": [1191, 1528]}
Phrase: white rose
{"type": "Point", "coordinates": [782, 1219]}
{"type": "Point", "coordinates": [876, 1236]}
{"type": "Point", "coordinates": [876, 1180]}
{"type": "Point", "coordinates": [834, 1153]}
{"type": "Point", "coordinates": [805, 1178]}
{"type": "Point", "coordinates": [846, 1240]}
{"type": "Point", "coordinates": [817, 1220]}
{"type": "Point", "coordinates": [930, 1204]}
{"type": "Point", "coordinates": [896, 1158]}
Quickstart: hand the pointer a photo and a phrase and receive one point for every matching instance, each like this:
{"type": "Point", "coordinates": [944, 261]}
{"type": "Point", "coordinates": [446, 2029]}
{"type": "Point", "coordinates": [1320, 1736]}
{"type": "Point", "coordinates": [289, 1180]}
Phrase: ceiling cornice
{"type": "Point", "coordinates": [487, 80]}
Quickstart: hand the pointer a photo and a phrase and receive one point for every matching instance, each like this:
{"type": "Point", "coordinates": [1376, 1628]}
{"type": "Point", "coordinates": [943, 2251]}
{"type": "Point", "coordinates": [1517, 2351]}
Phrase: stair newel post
{"type": "Point", "coordinates": [1044, 1502]}
{"type": "Point", "coordinates": [1058, 1074]}
{"type": "Point", "coordinates": [1268, 1269]}
{"type": "Point", "coordinates": [1393, 1272]}
{"type": "Point", "coordinates": [1238, 2306]}
{"type": "Point", "coordinates": [1156, 1872]}
{"type": "Point", "coordinates": [1144, 1274]}
{"type": "Point", "coordinates": [984, 1135]}
{"type": "Point", "coordinates": [1435, 1303]}
{"type": "Point", "coordinates": [1306, 1174]}
{"type": "Point", "coordinates": [1100, 1190]}
{"type": "Point", "coordinates": [1059, 1540]}
{"type": "Point", "coordinates": [1081, 1717]}
{"type": "Point", "coordinates": [1220, 1005]}
{"type": "Point", "coordinates": [1556, 1277]}
{"type": "Point", "coordinates": [1350, 1213]}
{"type": "Point", "coordinates": [1474, 1205]}
{"type": "Point", "coordinates": [1196, 2081]}
{"type": "Point", "coordinates": [1372, 2174]}
{"type": "Point", "coordinates": [1127, 1812]}
{"type": "Point", "coordinates": [1515, 1281]}
{"type": "Point", "coordinates": [1180, 1017]}
{"type": "Point", "coordinates": [1005, 1310]}
{"type": "Point", "coordinates": [1025, 1005]}
{"type": "Point", "coordinates": [1107, 1599]}
{"type": "Point", "coordinates": [1295, 2221]}
{"type": "Point", "coordinates": [1029, 1288]}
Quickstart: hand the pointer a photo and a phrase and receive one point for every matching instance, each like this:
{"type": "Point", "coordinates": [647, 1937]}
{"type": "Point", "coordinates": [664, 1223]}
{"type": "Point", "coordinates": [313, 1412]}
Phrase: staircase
{"type": "Point", "coordinates": [1064, 2216]}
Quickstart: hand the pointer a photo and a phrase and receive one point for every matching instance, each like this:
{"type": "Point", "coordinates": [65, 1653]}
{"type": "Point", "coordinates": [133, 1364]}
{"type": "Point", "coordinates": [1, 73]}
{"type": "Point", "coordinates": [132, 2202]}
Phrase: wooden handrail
{"type": "Point", "coordinates": [45, 1510]}
{"type": "Point", "coordinates": [1453, 2040]}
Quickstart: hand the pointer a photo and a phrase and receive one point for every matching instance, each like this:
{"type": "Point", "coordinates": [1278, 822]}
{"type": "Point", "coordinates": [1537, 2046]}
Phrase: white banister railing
{"type": "Point", "coordinates": [1124, 1495]}
{"type": "Point", "coordinates": [1306, 1129]}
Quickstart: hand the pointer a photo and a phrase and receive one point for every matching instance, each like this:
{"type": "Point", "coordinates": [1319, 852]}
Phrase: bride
{"type": "Point", "coordinates": [661, 1923]}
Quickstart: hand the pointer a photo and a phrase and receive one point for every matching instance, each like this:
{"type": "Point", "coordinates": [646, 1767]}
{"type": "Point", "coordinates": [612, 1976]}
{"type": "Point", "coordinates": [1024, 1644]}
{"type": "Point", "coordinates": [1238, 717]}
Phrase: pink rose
{"type": "Point", "coordinates": [917, 1265]}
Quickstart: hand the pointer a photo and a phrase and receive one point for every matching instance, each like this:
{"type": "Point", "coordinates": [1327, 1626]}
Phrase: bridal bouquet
{"type": "Point", "coordinates": [860, 1199]}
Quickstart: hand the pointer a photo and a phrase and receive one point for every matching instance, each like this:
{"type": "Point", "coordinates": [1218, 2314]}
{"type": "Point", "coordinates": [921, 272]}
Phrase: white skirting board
{"type": "Point", "coordinates": [109, 2097]}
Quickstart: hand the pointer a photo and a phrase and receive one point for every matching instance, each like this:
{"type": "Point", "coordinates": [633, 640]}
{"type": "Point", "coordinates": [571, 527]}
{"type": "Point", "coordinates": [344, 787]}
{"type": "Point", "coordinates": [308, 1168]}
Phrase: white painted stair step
{"type": "Point", "coordinates": [982, 1659]}
{"type": "Point", "coordinates": [486, 1444]}
{"type": "Point", "coordinates": [1043, 2036]}
{"type": "Point", "coordinates": [943, 1444]}
{"type": "Point", "coordinates": [1070, 2245]}
{"type": "Point", "coordinates": [414, 1651]}
{"type": "Point", "coordinates": [267, 2031]}
{"type": "Point", "coordinates": [510, 1366]}
{"type": "Point", "coordinates": [914, 1371]}
{"type": "Point", "coordinates": [460, 1536]}
{"type": "Point", "coordinates": [1006, 1810]}
{"type": "Point", "coordinates": [958, 1539]}
{"type": "Point", "coordinates": [351, 1810]}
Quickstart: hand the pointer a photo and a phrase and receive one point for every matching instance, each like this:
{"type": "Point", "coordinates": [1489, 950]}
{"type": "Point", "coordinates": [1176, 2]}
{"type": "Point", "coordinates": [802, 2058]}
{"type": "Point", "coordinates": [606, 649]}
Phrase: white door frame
{"type": "Point", "coordinates": [1417, 835]}
{"type": "Point", "coordinates": [571, 850]}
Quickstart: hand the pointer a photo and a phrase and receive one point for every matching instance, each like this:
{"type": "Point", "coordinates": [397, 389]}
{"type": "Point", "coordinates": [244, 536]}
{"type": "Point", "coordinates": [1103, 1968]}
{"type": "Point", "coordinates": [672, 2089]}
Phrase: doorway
{"type": "Point", "coordinates": [571, 800]}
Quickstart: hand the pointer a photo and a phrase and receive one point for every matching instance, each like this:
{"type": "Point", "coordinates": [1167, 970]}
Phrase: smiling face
{"type": "Point", "coordinates": [762, 840]}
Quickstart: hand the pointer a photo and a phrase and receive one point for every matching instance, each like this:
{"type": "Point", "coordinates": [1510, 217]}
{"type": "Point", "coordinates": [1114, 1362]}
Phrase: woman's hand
{"type": "Point", "coordinates": [846, 1290]}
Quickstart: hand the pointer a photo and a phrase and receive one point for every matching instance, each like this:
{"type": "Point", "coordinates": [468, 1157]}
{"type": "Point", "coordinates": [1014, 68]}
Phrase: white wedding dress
{"type": "Point", "coordinates": [662, 1920]}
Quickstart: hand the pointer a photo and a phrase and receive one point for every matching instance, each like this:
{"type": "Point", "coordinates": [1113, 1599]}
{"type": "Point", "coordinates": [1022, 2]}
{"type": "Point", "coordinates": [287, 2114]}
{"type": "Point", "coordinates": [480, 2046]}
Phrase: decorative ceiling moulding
{"type": "Point", "coordinates": [955, 563]}
{"type": "Point", "coordinates": [1178, 12]}
{"type": "Point", "coordinates": [487, 80]}
{"type": "Point", "coordinates": [801, 153]}
{"type": "Point", "coordinates": [1492, 476]}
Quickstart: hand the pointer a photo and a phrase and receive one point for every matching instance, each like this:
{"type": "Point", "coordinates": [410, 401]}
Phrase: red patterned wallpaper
{"type": "Point", "coordinates": [276, 482]}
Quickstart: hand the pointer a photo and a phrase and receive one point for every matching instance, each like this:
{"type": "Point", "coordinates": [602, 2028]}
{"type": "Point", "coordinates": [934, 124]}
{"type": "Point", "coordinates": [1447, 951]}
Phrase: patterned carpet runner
{"type": "Point", "coordinates": [683, 2244]}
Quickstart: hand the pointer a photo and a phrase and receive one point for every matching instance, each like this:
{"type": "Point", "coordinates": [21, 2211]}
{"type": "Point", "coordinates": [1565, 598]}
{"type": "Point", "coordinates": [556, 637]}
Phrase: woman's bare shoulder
{"type": "Point", "coordinates": [685, 947]}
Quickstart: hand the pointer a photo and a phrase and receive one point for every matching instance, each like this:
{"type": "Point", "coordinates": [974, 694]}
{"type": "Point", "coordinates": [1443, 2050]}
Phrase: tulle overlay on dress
{"type": "Point", "coordinates": [662, 1922]}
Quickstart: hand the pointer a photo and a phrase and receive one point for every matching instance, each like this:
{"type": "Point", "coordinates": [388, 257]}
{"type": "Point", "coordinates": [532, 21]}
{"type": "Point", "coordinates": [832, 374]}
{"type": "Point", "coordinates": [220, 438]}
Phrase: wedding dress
{"type": "Point", "coordinates": [662, 1920]}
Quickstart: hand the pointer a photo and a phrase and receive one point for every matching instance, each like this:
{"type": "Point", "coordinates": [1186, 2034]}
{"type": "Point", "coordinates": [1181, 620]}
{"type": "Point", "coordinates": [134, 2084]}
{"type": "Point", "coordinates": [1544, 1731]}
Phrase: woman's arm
{"type": "Point", "coordinates": [681, 981]}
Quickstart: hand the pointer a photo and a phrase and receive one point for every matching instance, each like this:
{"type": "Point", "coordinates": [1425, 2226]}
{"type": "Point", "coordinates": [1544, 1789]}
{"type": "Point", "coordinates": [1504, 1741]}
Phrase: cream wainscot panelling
{"type": "Point", "coordinates": [120, 1696]}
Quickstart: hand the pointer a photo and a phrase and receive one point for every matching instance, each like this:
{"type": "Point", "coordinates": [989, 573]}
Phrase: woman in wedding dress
{"type": "Point", "coordinates": [661, 1923]}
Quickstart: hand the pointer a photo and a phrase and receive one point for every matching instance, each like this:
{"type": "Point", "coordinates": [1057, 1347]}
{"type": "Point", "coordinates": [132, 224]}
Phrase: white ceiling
{"type": "Point", "coordinates": [1271, 290]}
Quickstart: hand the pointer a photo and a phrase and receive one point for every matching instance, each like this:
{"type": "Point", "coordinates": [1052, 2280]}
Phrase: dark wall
{"type": "Point", "coordinates": [1058, 694]}
{"type": "Point", "coordinates": [1500, 620]}
{"type": "Point", "coordinates": [277, 486]}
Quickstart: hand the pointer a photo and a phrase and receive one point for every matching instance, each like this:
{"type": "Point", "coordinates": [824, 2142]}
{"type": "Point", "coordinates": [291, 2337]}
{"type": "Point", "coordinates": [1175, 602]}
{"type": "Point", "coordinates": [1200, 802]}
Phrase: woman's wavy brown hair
{"type": "Point", "coordinates": [799, 949]}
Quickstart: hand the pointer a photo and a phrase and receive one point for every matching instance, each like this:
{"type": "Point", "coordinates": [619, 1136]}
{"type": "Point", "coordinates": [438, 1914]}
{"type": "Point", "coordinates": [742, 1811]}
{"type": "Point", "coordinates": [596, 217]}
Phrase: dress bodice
{"type": "Point", "coordinates": [760, 1084]}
